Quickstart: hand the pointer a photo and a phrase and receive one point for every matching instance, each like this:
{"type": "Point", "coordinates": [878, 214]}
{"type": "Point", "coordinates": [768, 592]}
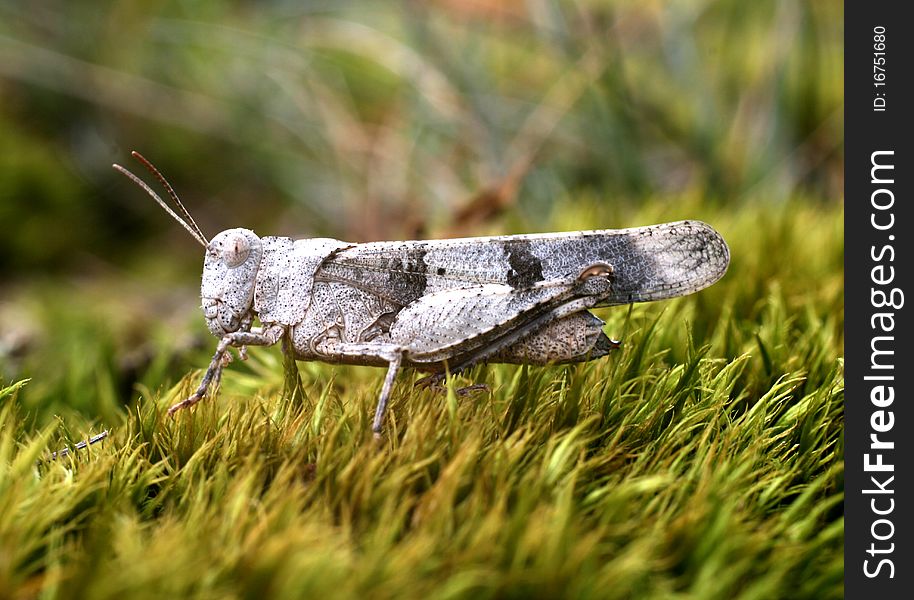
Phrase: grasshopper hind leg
{"type": "Point", "coordinates": [577, 337]}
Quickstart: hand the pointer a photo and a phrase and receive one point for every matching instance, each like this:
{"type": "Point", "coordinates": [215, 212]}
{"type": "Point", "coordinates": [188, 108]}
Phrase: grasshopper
{"type": "Point", "coordinates": [437, 305]}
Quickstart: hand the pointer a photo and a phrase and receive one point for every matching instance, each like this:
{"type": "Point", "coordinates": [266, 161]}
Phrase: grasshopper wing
{"type": "Point", "coordinates": [459, 302]}
{"type": "Point", "coordinates": [649, 263]}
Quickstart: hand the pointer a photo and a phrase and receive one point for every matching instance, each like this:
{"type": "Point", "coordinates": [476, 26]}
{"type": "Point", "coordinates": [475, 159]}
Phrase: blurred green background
{"type": "Point", "coordinates": [365, 121]}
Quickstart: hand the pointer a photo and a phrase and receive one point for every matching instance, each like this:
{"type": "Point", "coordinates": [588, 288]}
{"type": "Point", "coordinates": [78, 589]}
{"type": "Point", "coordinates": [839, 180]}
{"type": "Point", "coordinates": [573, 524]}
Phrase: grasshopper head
{"type": "Point", "coordinates": [230, 267]}
{"type": "Point", "coordinates": [229, 274]}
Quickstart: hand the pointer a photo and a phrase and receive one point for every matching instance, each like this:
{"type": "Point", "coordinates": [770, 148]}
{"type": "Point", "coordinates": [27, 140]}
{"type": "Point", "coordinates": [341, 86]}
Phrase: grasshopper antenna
{"type": "Point", "coordinates": [189, 224]}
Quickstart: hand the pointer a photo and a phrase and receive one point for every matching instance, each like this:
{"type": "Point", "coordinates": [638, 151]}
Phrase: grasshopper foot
{"type": "Point", "coordinates": [469, 390]}
{"type": "Point", "coordinates": [436, 383]}
{"type": "Point", "coordinates": [212, 376]}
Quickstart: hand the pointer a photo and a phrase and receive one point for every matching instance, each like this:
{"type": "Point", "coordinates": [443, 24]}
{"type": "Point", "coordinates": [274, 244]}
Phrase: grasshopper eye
{"type": "Point", "coordinates": [235, 249]}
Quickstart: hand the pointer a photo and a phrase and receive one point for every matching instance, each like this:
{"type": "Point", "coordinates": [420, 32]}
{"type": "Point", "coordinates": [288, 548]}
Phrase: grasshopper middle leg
{"type": "Point", "coordinates": [392, 354]}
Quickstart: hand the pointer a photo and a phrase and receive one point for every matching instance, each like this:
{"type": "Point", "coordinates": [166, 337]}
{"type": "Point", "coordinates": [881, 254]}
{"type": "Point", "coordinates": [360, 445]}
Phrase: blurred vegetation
{"type": "Point", "coordinates": [704, 460]}
{"type": "Point", "coordinates": [366, 120]}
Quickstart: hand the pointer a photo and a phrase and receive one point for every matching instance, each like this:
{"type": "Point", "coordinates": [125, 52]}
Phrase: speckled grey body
{"type": "Point", "coordinates": [447, 304]}
{"type": "Point", "coordinates": [441, 304]}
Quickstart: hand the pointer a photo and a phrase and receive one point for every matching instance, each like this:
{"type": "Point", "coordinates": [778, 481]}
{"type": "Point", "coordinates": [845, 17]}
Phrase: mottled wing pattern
{"type": "Point", "coordinates": [450, 323]}
{"type": "Point", "coordinates": [649, 263]}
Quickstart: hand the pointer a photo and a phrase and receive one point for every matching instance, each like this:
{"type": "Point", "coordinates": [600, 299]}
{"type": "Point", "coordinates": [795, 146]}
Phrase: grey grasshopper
{"type": "Point", "coordinates": [437, 305]}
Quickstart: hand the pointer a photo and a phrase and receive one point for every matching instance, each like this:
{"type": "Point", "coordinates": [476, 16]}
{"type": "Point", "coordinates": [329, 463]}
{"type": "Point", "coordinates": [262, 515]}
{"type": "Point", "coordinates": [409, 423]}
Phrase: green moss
{"type": "Point", "coordinates": [704, 459]}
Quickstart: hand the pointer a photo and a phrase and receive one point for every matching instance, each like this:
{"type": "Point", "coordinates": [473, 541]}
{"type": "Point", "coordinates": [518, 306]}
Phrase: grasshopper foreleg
{"type": "Point", "coordinates": [237, 339]}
